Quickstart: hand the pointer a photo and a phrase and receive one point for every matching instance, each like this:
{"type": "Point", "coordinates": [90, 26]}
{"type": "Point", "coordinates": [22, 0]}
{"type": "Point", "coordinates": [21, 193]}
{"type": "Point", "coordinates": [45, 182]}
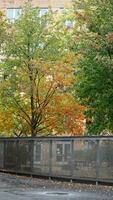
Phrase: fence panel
{"type": "Point", "coordinates": [41, 157]}
{"type": "Point", "coordinates": [106, 159]}
{"type": "Point", "coordinates": [61, 158]}
{"type": "Point", "coordinates": [24, 156]}
{"type": "Point", "coordinates": [86, 158]}
{"type": "Point", "coordinates": [10, 155]}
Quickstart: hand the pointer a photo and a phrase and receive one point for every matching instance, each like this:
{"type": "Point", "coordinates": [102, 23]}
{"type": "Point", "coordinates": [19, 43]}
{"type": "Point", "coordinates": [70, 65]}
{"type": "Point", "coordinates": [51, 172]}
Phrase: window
{"type": "Point", "coordinates": [43, 11]}
{"type": "Point", "coordinates": [63, 152]}
{"type": "Point", "coordinates": [13, 13]}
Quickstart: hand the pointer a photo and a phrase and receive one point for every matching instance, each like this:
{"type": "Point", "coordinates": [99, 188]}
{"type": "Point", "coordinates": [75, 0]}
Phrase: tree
{"type": "Point", "coordinates": [38, 77]}
{"type": "Point", "coordinates": [93, 34]}
{"type": "Point", "coordinates": [35, 70]}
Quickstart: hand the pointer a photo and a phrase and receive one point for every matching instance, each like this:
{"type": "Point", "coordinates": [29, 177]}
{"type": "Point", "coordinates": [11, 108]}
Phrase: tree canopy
{"type": "Point", "coordinates": [38, 76]}
{"type": "Point", "coordinates": [93, 44]}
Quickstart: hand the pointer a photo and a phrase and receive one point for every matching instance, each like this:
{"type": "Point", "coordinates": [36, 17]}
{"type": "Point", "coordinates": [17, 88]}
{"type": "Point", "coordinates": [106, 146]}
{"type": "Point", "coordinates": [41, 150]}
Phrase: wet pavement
{"type": "Point", "coordinates": [16, 189]}
{"type": "Point", "coordinates": [12, 194]}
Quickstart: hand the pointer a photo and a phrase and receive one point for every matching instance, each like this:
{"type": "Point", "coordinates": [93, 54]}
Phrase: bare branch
{"type": "Point", "coordinates": [21, 109]}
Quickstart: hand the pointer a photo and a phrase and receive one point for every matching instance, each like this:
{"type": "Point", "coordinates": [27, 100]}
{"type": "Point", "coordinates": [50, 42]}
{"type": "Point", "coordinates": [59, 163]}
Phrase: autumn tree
{"type": "Point", "coordinates": [33, 55]}
{"type": "Point", "coordinates": [93, 34]}
{"type": "Point", "coordinates": [38, 76]}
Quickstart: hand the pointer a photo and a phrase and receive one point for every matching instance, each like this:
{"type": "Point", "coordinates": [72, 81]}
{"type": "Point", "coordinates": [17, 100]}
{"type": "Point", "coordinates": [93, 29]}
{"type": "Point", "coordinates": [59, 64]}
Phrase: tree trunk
{"type": "Point", "coordinates": [33, 125]}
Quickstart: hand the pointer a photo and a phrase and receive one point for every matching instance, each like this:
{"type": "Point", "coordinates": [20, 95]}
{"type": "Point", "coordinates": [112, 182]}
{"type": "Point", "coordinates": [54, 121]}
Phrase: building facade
{"type": "Point", "coordinates": [12, 8]}
{"type": "Point", "coordinates": [4, 4]}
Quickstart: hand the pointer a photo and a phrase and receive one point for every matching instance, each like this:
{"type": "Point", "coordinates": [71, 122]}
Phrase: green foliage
{"type": "Point", "coordinates": [3, 25]}
{"type": "Point", "coordinates": [93, 34]}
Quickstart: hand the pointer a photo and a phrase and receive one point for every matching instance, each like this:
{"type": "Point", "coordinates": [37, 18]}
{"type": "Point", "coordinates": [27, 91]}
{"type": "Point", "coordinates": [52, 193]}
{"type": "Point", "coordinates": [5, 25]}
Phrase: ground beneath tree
{"type": "Point", "coordinates": [14, 187]}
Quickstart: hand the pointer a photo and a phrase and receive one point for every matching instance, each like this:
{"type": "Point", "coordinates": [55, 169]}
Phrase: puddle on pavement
{"type": "Point", "coordinates": [57, 193]}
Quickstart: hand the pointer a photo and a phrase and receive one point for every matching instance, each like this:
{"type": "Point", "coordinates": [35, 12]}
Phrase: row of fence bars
{"type": "Point", "coordinates": [81, 158]}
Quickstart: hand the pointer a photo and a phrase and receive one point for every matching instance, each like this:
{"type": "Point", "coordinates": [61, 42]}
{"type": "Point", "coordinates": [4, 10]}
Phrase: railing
{"type": "Point", "coordinates": [80, 158]}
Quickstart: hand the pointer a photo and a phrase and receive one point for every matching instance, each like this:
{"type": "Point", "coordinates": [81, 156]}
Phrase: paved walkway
{"type": "Point", "coordinates": [16, 190]}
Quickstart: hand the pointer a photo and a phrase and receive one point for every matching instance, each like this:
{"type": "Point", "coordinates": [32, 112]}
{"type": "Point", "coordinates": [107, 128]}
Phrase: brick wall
{"type": "Point", "coordinates": [41, 3]}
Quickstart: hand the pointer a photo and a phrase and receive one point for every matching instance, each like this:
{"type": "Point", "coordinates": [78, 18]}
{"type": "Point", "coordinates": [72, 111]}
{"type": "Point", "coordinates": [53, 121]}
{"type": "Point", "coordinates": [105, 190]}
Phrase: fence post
{"type": "Point", "coordinates": [4, 162]}
{"type": "Point", "coordinates": [31, 154]}
{"type": "Point", "coordinates": [2, 155]}
{"type": "Point", "coordinates": [50, 158]}
{"type": "Point", "coordinates": [97, 161]}
{"type": "Point", "coordinates": [17, 156]}
{"type": "Point", "coordinates": [72, 159]}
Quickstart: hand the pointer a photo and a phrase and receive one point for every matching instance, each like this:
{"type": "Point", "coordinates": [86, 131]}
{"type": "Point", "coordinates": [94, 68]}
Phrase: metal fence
{"type": "Point", "coordinates": [80, 158]}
